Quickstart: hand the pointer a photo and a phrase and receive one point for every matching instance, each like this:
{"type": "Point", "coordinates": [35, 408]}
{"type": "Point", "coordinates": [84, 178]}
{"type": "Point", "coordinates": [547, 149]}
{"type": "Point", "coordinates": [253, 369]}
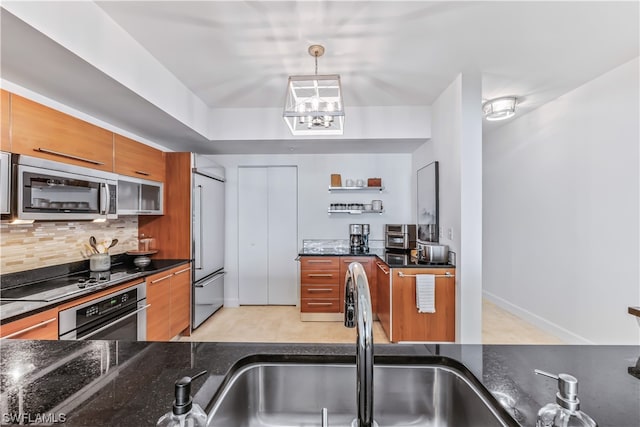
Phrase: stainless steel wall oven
{"type": "Point", "coordinates": [118, 316]}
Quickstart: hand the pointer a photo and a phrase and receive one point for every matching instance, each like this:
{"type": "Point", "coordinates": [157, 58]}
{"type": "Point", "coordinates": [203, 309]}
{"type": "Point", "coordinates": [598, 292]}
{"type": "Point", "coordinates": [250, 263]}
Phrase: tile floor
{"type": "Point", "coordinates": [282, 324]}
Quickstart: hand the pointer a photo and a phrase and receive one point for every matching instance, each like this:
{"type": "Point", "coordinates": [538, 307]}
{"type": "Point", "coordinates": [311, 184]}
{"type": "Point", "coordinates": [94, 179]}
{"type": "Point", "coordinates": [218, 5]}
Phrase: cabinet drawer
{"type": "Point", "coordinates": [319, 263]}
{"type": "Point", "coordinates": [41, 326]}
{"type": "Point", "coordinates": [319, 291]}
{"type": "Point", "coordinates": [365, 261]}
{"type": "Point", "coordinates": [320, 305]}
{"type": "Point", "coordinates": [320, 277]}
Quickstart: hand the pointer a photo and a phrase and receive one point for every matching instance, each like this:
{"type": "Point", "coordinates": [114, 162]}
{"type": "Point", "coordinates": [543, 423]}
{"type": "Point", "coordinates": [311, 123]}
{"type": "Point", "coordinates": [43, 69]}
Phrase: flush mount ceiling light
{"type": "Point", "coordinates": [499, 108]}
{"type": "Point", "coordinates": [313, 104]}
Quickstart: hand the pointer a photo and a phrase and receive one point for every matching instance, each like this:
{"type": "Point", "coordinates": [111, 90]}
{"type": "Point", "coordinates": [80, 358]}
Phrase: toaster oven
{"type": "Point", "coordinates": [400, 236]}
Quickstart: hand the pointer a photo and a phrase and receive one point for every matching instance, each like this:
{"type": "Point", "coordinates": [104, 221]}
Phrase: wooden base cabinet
{"type": "Point", "coordinates": [40, 326]}
{"type": "Point", "coordinates": [367, 263]}
{"type": "Point", "coordinates": [319, 286]}
{"type": "Point", "coordinates": [409, 325]}
{"type": "Point", "coordinates": [168, 294]}
{"type": "Point", "coordinates": [383, 285]}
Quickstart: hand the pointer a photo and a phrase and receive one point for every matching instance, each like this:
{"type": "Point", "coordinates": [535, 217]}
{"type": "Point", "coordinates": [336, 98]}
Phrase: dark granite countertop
{"type": "Point", "coordinates": [107, 383]}
{"type": "Point", "coordinates": [14, 310]}
{"type": "Point", "coordinates": [381, 253]}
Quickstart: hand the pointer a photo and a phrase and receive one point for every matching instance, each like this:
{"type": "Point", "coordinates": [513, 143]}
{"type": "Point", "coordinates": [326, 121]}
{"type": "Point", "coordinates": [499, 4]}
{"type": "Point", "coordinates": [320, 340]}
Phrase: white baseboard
{"type": "Point", "coordinates": [561, 333]}
{"type": "Point", "coordinates": [231, 302]}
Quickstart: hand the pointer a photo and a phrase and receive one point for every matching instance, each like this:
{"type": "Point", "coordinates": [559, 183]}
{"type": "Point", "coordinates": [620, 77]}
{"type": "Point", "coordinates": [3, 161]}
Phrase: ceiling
{"type": "Point", "coordinates": [238, 54]}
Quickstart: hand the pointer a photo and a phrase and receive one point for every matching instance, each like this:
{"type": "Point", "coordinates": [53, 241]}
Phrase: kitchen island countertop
{"type": "Point", "coordinates": [381, 253]}
{"type": "Point", "coordinates": [136, 385]}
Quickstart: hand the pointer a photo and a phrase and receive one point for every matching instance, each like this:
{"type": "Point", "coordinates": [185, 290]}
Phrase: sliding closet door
{"type": "Point", "coordinates": [253, 229]}
{"type": "Point", "coordinates": [267, 237]}
{"type": "Point", "coordinates": [283, 241]}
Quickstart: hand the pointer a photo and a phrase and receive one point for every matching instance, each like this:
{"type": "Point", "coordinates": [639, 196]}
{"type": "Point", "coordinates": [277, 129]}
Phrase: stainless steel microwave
{"type": "Point", "coordinates": [47, 190]}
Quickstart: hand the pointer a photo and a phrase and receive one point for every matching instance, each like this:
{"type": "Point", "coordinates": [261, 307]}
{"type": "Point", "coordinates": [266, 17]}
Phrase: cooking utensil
{"type": "Point", "coordinates": [94, 244]}
{"type": "Point", "coordinates": [112, 244]}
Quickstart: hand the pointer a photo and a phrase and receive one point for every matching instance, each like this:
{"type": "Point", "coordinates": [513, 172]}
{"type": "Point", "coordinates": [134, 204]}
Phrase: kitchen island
{"type": "Point", "coordinates": [117, 383]}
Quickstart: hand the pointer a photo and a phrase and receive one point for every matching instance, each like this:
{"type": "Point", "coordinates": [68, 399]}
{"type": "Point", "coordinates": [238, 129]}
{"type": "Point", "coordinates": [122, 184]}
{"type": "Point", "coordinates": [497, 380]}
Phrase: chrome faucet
{"type": "Point", "coordinates": [357, 312]}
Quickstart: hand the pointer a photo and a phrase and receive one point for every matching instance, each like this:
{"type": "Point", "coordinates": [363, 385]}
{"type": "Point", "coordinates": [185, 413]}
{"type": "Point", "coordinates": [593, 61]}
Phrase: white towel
{"type": "Point", "coordinates": [426, 293]}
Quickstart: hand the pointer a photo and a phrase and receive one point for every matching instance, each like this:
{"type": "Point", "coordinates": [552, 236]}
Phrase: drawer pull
{"type": "Point", "coordinates": [182, 271]}
{"type": "Point", "coordinates": [324, 304]}
{"type": "Point", "coordinates": [36, 326]}
{"type": "Point", "coordinates": [319, 290]}
{"type": "Point", "coordinates": [383, 269]}
{"type": "Point", "coordinates": [319, 261]}
{"type": "Point", "coordinates": [68, 156]}
{"type": "Point", "coordinates": [142, 173]}
{"type": "Point", "coordinates": [320, 275]}
{"type": "Point", "coordinates": [160, 279]}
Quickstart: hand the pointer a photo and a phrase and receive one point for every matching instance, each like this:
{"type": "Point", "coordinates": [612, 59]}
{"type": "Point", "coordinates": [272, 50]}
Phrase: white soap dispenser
{"type": "Point", "coordinates": [185, 413]}
{"type": "Point", "coordinates": [566, 411]}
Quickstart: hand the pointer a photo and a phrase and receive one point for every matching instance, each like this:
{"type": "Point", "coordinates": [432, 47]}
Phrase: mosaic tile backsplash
{"type": "Point", "coordinates": [42, 244]}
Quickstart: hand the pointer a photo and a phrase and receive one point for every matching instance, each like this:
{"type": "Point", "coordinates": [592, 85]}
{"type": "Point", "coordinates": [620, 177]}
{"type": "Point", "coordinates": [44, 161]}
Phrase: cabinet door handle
{"type": "Point", "coordinates": [160, 279]}
{"type": "Point", "coordinates": [320, 303]}
{"type": "Point", "coordinates": [142, 173]}
{"type": "Point", "coordinates": [68, 156]}
{"type": "Point", "coordinates": [319, 261]}
{"type": "Point", "coordinates": [319, 290]}
{"type": "Point", "coordinates": [30, 328]}
{"type": "Point", "coordinates": [182, 271]}
{"type": "Point", "coordinates": [320, 275]}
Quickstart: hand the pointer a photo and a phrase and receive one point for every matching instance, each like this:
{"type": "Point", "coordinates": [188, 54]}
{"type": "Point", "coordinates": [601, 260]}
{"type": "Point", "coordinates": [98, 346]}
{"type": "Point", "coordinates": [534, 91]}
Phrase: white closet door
{"type": "Point", "coordinates": [283, 235]}
{"type": "Point", "coordinates": [253, 235]}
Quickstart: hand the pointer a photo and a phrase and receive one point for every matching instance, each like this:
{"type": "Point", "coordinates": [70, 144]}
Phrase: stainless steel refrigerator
{"type": "Point", "coordinates": [207, 231]}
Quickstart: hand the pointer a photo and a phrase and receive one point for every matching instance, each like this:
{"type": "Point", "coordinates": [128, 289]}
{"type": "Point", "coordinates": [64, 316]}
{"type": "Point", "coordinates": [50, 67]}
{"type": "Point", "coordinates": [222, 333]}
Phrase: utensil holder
{"type": "Point", "coordinates": [99, 262]}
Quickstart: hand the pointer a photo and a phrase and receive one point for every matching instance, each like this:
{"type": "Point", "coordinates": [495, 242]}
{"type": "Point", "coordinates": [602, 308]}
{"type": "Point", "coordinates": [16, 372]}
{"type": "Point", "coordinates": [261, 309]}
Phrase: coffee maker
{"type": "Point", "coordinates": [359, 238]}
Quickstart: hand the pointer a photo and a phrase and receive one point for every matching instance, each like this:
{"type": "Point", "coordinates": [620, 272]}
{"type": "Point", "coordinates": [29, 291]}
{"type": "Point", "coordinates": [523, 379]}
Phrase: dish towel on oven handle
{"type": "Point", "coordinates": [426, 293]}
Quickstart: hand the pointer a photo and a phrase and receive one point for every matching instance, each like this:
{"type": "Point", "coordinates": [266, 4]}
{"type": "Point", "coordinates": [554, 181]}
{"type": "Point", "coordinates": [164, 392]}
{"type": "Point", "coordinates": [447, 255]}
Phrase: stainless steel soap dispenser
{"type": "Point", "coordinates": [566, 411]}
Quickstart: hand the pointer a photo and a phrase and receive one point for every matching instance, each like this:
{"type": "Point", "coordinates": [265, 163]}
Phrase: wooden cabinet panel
{"type": "Point", "coordinates": [383, 284]}
{"type": "Point", "coordinates": [367, 263]}
{"type": "Point", "coordinates": [133, 158]}
{"type": "Point", "coordinates": [319, 277]}
{"type": "Point", "coordinates": [180, 299]}
{"type": "Point", "coordinates": [5, 120]}
{"type": "Point", "coordinates": [43, 132]}
{"type": "Point", "coordinates": [320, 263]}
{"type": "Point", "coordinates": [319, 291]}
{"type": "Point", "coordinates": [41, 326]}
{"type": "Point", "coordinates": [320, 305]}
{"type": "Point", "coordinates": [159, 299]}
{"type": "Point", "coordinates": [407, 323]}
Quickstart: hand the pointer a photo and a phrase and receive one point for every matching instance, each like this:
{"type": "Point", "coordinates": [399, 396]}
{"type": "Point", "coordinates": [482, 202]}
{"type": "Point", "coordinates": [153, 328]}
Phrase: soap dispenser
{"type": "Point", "coordinates": [566, 411]}
{"type": "Point", "coordinates": [185, 413]}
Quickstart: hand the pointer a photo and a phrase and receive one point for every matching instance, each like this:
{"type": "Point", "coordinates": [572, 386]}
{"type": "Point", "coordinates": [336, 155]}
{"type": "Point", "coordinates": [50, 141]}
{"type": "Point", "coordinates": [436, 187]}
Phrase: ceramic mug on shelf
{"type": "Point", "coordinates": [349, 182]}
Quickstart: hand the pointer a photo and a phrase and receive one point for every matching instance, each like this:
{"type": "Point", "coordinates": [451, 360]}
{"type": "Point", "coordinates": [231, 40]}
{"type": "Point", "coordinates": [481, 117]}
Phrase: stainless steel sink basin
{"type": "Point", "coordinates": [408, 391]}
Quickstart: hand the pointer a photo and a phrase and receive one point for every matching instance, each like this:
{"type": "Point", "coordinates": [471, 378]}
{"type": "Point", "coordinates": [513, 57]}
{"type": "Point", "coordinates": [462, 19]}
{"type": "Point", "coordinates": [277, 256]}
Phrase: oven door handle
{"type": "Point", "coordinates": [97, 331]}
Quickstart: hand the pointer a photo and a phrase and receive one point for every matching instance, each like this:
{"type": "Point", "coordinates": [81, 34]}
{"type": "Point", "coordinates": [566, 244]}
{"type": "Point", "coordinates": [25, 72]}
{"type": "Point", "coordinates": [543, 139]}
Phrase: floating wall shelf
{"type": "Point", "coordinates": [356, 189]}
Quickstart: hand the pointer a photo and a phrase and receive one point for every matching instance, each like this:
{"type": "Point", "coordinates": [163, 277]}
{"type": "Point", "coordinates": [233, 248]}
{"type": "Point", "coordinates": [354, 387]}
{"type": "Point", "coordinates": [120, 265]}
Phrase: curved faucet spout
{"type": "Point", "coordinates": [357, 312]}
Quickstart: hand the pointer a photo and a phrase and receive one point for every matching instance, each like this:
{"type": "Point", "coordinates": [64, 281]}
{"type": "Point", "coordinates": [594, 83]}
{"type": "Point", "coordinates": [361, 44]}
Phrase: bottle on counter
{"type": "Point", "coordinates": [566, 411]}
{"type": "Point", "coordinates": [185, 413]}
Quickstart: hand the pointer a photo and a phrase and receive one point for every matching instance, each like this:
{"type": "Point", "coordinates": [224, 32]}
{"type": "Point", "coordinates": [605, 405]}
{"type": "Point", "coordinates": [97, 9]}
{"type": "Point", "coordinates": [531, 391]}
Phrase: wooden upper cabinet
{"type": "Point", "coordinates": [133, 158]}
{"type": "Point", "coordinates": [40, 131]}
{"type": "Point", "coordinates": [5, 111]}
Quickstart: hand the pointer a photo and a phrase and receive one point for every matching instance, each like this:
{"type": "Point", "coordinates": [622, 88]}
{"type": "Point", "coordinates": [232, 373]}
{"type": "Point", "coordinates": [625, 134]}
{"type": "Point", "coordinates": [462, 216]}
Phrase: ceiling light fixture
{"type": "Point", "coordinates": [313, 104]}
{"type": "Point", "coordinates": [500, 108]}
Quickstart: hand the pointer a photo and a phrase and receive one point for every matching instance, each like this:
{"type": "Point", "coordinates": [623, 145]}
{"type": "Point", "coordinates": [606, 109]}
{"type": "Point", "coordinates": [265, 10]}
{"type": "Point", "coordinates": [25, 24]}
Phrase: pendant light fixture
{"type": "Point", "coordinates": [313, 104]}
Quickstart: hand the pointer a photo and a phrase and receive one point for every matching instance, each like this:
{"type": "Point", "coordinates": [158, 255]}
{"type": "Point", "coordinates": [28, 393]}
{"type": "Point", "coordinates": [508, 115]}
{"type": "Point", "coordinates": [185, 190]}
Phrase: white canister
{"type": "Point", "coordinates": [99, 262]}
{"type": "Point", "coordinates": [376, 205]}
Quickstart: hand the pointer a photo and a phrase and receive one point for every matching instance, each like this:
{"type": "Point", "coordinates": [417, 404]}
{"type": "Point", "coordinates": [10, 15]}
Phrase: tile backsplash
{"type": "Point", "coordinates": [42, 244]}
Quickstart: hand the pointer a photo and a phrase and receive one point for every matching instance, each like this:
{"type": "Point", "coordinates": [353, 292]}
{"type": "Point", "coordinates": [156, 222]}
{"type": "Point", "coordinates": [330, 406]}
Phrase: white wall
{"type": "Point", "coordinates": [456, 144]}
{"type": "Point", "coordinates": [314, 172]}
{"type": "Point", "coordinates": [561, 217]}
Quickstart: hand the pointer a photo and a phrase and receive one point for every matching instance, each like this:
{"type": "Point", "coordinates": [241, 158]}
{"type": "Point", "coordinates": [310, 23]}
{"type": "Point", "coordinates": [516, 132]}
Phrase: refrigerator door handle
{"type": "Point", "coordinates": [213, 279]}
{"type": "Point", "coordinates": [199, 259]}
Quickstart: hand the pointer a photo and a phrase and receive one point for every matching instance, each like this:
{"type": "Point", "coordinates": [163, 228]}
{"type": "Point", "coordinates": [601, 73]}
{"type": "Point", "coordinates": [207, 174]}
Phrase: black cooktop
{"type": "Point", "coordinates": [60, 287]}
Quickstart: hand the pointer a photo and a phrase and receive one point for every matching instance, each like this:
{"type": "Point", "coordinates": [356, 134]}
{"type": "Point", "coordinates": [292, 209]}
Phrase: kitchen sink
{"type": "Point", "coordinates": [408, 391]}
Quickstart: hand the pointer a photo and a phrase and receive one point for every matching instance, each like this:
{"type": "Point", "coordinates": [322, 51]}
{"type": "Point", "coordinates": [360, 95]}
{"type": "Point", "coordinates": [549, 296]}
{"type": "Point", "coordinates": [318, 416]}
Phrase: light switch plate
{"type": "Point", "coordinates": [450, 233]}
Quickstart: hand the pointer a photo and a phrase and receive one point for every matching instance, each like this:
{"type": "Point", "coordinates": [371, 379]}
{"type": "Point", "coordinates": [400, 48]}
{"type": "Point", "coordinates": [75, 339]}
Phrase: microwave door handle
{"type": "Point", "coordinates": [104, 198]}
